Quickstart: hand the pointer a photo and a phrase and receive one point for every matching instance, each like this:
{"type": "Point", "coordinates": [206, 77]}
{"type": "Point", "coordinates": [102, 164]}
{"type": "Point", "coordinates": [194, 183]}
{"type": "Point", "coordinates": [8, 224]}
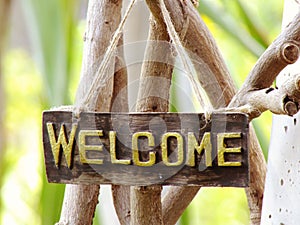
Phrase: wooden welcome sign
{"type": "Point", "coordinates": [146, 148]}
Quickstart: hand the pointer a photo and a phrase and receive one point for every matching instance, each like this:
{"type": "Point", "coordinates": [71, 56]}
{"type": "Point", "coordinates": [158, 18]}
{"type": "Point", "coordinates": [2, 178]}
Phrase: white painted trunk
{"type": "Point", "coordinates": [281, 204]}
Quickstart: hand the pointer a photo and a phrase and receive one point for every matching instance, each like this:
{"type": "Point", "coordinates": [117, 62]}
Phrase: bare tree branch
{"type": "Point", "coordinates": [102, 20]}
{"type": "Point", "coordinates": [201, 46]}
{"type": "Point", "coordinates": [176, 201]}
{"type": "Point", "coordinates": [282, 100]}
{"type": "Point", "coordinates": [146, 205]}
{"type": "Point", "coordinates": [282, 52]}
{"type": "Point", "coordinates": [153, 96]}
{"type": "Point", "coordinates": [121, 193]}
{"type": "Point", "coordinates": [216, 81]}
{"type": "Point", "coordinates": [79, 204]}
{"type": "Point", "coordinates": [255, 192]}
{"type": "Point", "coordinates": [121, 198]}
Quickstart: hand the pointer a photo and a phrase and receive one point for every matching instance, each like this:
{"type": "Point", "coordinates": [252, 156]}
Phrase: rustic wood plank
{"type": "Point", "coordinates": [173, 168]}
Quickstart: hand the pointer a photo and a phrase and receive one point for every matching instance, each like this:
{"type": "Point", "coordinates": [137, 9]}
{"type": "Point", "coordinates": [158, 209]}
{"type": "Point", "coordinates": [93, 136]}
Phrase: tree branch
{"type": "Point", "coordinates": [282, 52]}
{"type": "Point", "coordinates": [102, 20]}
{"type": "Point", "coordinates": [153, 96]}
{"type": "Point", "coordinates": [121, 193]}
{"type": "Point", "coordinates": [121, 198]}
{"type": "Point", "coordinates": [146, 205]}
{"type": "Point", "coordinates": [176, 201]}
{"type": "Point", "coordinates": [282, 100]}
{"type": "Point", "coordinates": [155, 80]}
{"type": "Point", "coordinates": [202, 49]}
{"type": "Point", "coordinates": [216, 81]}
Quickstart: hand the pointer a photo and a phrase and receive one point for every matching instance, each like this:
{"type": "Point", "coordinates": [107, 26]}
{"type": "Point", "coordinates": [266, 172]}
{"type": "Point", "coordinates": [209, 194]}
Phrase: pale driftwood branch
{"type": "Point", "coordinates": [146, 205]}
{"type": "Point", "coordinates": [258, 168]}
{"type": "Point", "coordinates": [256, 97]}
{"type": "Point", "coordinates": [216, 81]}
{"type": "Point", "coordinates": [153, 96]}
{"type": "Point", "coordinates": [155, 80]}
{"type": "Point", "coordinates": [201, 46]}
{"type": "Point", "coordinates": [282, 100]}
{"type": "Point", "coordinates": [80, 200]}
{"type": "Point", "coordinates": [120, 193]}
{"type": "Point", "coordinates": [282, 52]}
{"type": "Point", "coordinates": [176, 201]}
{"type": "Point", "coordinates": [121, 198]}
{"type": "Point", "coordinates": [79, 204]}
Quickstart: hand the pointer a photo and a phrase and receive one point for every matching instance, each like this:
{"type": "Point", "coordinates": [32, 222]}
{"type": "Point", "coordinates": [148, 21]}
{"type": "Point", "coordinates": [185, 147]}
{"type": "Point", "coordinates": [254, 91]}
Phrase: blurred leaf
{"type": "Point", "coordinates": [52, 26]}
{"type": "Point", "coordinates": [21, 181]}
{"type": "Point", "coordinates": [218, 206]}
{"type": "Point", "coordinates": [229, 25]}
{"type": "Point", "coordinates": [253, 26]}
{"type": "Point", "coordinates": [52, 196]}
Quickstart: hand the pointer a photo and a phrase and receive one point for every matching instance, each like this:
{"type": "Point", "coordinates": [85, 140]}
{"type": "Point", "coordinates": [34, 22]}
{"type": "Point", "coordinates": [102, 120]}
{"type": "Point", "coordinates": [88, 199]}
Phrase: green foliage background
{"type": "Point", "coordinates": [49, 76]}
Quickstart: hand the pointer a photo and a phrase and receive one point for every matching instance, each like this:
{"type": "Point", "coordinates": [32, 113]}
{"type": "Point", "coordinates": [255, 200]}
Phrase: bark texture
{"type": "Point", "coordinates": [153, 96]}
{"type": "Point", "coordinates": [155, 80]}
{"type": "Point", "coordinates": [281, 196]}
{"type": "Point", "coordinates": [121, 198]}
{"type": "Point", "coordinates": [176, 201]}
{"type": "Point", "coordinates": [146, 205]}
{"type": "Point", "coordinates": [282, 52]}
{"type": "Point", "coordinates": [202, 49]}
{"type": "Point", "coordinates": [79, 204]}
{"type": "Point", "coordinates": [120, 193]}
{"type": "Point", "coordinates": [103, 18]}
{"type": "Point", "coordinates": [216, 81]}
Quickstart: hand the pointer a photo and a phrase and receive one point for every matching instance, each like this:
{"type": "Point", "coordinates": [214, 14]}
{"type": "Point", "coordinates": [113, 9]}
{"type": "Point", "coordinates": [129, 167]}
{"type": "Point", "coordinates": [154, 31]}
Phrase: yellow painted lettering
{"type": "Point", "coordinates": [135, 150]}
{"type": "Point", "coordinates": [83, 147]}
{"type": "Point", "coordinates": [222, 149]}
{"type": "Point", "coordinates": [164, 149]}
{"type": "Point", "coordinates": [112, 141]}
{"type": "Point", "coordinates": [67, 147]}
{"type": "Point", "coordinates": [205, 146]}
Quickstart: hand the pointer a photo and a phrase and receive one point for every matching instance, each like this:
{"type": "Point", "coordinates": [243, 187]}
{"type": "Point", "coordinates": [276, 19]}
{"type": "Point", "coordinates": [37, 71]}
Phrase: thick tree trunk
{"type": "Point", "coordinates": [102, 20]}
{"type": "Point", "coordinates": [281, 198]}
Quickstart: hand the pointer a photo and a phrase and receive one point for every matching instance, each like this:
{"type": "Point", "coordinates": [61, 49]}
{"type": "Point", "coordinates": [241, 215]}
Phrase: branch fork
{"type": "Point", "coordinates": [283, 100]}
{"type": "Point", "coordinates": [257, 95]}
{"type": "Point", "coordinates": [254, 97]}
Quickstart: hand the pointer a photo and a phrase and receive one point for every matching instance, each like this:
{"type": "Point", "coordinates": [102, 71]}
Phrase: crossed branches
{"type": "Point", "coordinates": [255, 96]}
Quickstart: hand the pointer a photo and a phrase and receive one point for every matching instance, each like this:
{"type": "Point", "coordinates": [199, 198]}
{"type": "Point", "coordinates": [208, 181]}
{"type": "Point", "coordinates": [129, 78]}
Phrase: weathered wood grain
{"type": "Point", "coordinates": [158, 124]}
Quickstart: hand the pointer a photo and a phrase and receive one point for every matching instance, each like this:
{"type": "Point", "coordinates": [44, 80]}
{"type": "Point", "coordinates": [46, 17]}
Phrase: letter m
{"type": "Point", "coordinates": [61, 141]}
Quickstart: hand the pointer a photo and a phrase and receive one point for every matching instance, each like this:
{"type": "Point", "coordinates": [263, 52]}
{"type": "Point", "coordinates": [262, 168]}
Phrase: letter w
{"type": "Point", "coordinates": [61, 141]}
